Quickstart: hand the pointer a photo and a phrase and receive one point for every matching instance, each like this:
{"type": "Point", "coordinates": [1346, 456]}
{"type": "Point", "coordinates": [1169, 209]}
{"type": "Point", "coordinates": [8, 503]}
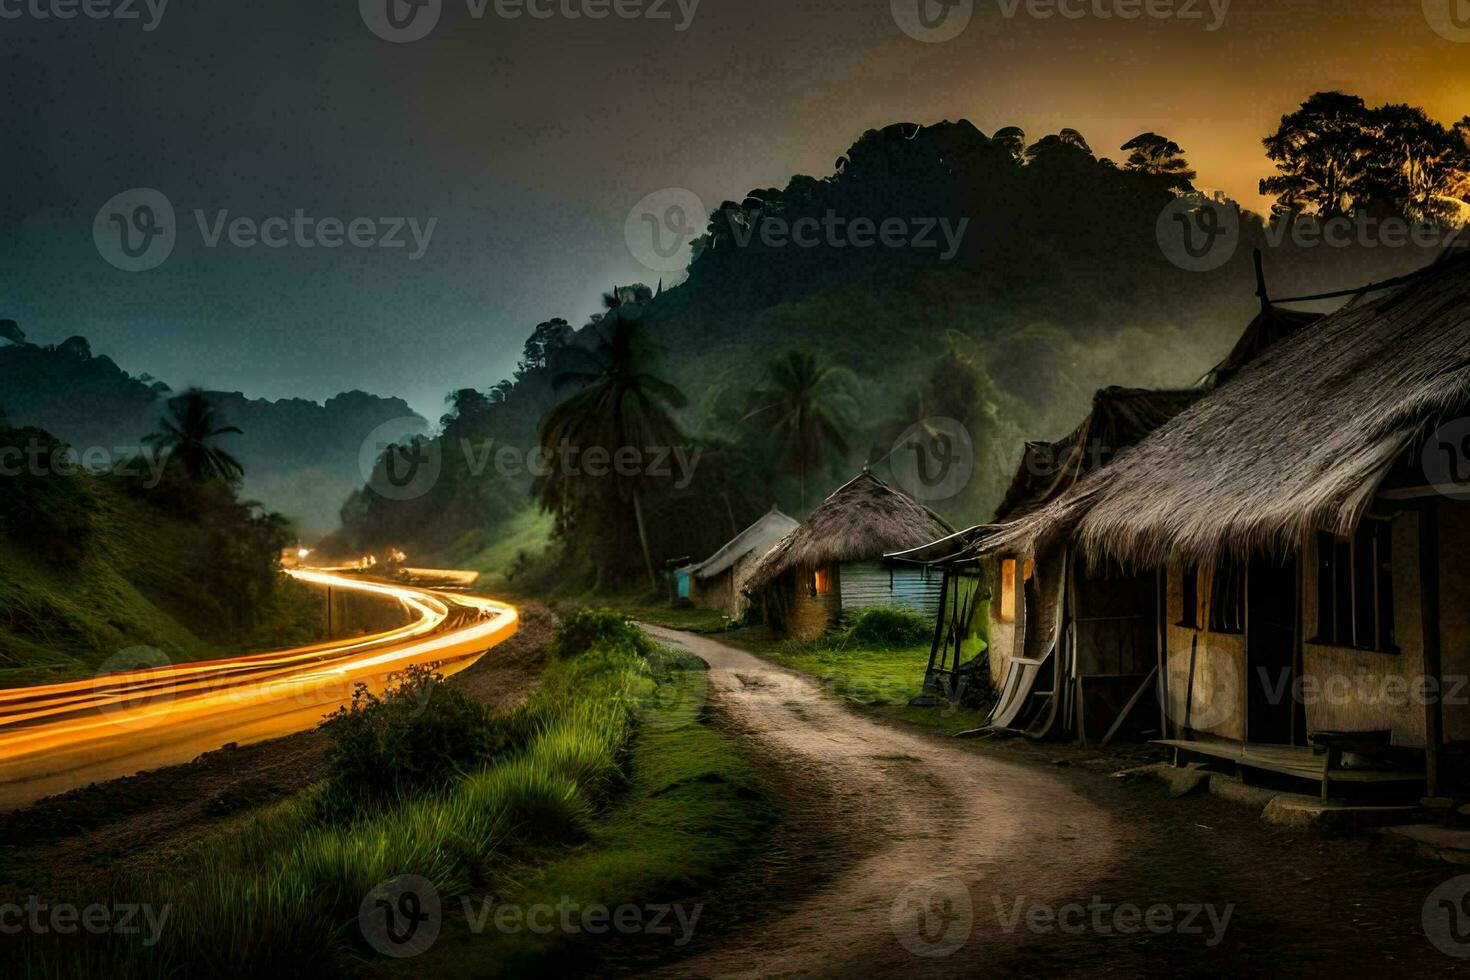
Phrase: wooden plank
{"type": "Point", "coordinates": [1128, 708]}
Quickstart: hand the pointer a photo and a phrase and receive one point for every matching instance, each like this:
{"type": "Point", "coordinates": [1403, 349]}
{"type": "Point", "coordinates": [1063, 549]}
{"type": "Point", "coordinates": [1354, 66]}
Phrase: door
{"type": "Point", "coordinates": [1271, 626]}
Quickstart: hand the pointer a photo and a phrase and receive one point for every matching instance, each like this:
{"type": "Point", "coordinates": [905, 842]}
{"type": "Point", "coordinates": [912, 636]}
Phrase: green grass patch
{"type": "Point", "coordinates": [875, 679]}
{"type": "Point", "coordinates": [617, 790]}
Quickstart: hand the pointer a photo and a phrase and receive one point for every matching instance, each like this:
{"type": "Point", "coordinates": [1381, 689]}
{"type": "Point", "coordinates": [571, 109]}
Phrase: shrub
{"type": "Point", "coordinates": [883, 628]}
{"type": "Point", "coordinates": [419, 735]}
{"type": "Point", "coordinates": [589, 629]}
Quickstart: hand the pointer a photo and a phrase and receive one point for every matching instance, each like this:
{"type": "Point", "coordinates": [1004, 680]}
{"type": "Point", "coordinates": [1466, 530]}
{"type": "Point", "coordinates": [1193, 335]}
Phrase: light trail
{"type": "Point", "coordinates": [60, 736]}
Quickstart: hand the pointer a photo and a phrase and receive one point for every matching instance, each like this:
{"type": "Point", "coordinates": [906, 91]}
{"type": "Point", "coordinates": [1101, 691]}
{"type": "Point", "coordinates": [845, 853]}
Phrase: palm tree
{"type": "Point", "coordinates": [186, 434]}
{"type": "Point", "coordinates": [620, 403]}
{"type": "Point", "coordinates": [805, 409]}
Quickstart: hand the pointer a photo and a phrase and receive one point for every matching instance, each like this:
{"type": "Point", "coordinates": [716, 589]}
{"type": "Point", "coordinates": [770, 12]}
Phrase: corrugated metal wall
{"type": "Point", "coordinates": [870, 583]}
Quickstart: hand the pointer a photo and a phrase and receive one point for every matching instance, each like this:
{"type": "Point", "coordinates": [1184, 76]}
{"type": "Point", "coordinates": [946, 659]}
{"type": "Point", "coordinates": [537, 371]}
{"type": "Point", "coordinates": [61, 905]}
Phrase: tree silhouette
{"type": "Point", "coordinates": [805, 408]}
{"type": "Point", "coordinates": [1159, 156]}
{"type": "Point", "coordinates": [186, 435]}
{"type": "Point", "coordinates": [11, 331]}
{"type": "Point", "coordinates": [620, 403]}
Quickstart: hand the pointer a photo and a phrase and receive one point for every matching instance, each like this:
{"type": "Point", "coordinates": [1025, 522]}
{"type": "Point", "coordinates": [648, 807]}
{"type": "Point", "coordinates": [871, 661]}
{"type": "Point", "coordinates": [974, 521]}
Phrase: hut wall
{"type": "Point", "coordinates": [1454, 617]}
{"type": "Point", "coordinates": [739, 575]}
{"type": "Point", "coordinates": [715, 592]}
{"type": "Point", "coordinates": [1003, 645]}
{"type": "Point", "coordinates": [1218, 706]}
{"type": "Point", "coordinates": [811, 614]}
{"type": "Point", "coordinates": [1346, 689]}
{"type": "Point", "coordinates": [871, 583]}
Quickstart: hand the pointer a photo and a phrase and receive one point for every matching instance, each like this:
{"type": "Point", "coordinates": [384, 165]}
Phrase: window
{"type": "Point", "coordinates": [821, 582]}
{"type": "Point", "coordinates": [1227, 598]}
{"type": "Point", "coordinates": [1189, 592]}
{"type": "Point", "coordinates": [1355, 588]}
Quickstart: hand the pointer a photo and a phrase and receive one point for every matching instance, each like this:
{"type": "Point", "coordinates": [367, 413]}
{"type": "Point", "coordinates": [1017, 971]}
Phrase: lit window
{"type": "Point", "coordinates": [821, 582]}
{"type": "Point", "coordinates": [1008, 586]}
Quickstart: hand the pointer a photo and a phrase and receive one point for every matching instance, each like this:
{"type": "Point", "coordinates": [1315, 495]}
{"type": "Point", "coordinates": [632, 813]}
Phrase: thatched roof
{"type": "Point", "coordinates": [1297, 440]}
{"type": "Point", "coordinates": [760, 537]}
{"type": "Point", "coordinates": [862, 521]}
{"type": "Point", "coordinates": [1119, 418]}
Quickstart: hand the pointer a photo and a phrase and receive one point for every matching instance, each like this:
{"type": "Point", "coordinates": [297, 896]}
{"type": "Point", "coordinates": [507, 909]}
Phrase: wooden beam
{"type": "Point", "coordinates": [1429, 616]}
{"type": "Point", "coordinates": [1128, 708]}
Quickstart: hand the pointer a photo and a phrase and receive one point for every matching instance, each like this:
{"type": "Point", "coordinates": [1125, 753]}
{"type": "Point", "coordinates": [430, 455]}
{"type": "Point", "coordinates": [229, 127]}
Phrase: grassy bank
{"type": "Point", "coordinates": [609, 786]}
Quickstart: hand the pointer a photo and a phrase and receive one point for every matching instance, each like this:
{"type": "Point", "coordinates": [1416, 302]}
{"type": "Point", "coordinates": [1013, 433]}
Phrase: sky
{"type": "Point", "coordinates": [518, 146]}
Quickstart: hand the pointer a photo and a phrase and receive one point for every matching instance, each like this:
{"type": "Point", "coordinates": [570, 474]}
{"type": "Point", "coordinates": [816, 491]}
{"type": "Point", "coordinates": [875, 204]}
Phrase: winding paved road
{"type": "Point", "coordinates": [938, 843]}
{"type": "Point", "coordinates": [61, 736]}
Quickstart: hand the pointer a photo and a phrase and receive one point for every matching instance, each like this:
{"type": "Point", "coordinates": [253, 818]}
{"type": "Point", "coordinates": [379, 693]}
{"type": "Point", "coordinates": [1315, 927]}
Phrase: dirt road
{"type": "Point", "coordinates": [901, 853]}
{"type": "Point", "coordinates": [931, 835]}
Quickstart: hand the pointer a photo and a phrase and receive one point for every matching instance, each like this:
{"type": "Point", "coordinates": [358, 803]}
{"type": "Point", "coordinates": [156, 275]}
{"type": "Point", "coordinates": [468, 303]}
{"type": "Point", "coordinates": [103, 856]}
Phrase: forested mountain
{"type": "Point", "coordinates": [300, 457]}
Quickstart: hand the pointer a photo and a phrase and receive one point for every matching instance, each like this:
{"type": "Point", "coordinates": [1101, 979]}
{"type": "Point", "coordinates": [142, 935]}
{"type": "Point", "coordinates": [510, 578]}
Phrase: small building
{"type": "Point", "coordinates": [1302, 525]}
{"type": "Point", "coordinates": [833, 562]}
{"type": "Point", "coordinates": [719, 581]}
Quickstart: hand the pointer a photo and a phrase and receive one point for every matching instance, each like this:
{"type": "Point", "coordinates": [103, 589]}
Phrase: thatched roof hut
{"type": "Point", "coordinates": [719, 581]}
{"type": "Point", "coordinates": [861, 521]}
{"type": "Point", "coordinates": [1298, 439]}
{"type": "Point", "coordinates": [833, 562]}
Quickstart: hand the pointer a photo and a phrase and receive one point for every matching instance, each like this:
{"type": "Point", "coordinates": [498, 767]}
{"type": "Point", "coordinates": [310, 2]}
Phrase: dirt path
{"type": "Point", "coordinates": [881, 822]}
{"type": "Point", "coordinates": [920, 836]}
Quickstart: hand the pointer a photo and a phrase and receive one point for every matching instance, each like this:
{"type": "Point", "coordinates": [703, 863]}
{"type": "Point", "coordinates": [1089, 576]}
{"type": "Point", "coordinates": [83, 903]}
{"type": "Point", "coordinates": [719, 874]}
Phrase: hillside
{"type": "Point", "coordinates": [300, 457]}
{"type": "Point", "coordinates": [100, 571]}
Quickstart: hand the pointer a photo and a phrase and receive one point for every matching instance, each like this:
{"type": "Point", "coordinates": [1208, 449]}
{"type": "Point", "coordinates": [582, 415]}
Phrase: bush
{"type": "Point", "coordinates": [419, 735]}
{"type": "Point", "coordinates": [883, 628]}
{"type": "Point", "coordinates": [594, 629]}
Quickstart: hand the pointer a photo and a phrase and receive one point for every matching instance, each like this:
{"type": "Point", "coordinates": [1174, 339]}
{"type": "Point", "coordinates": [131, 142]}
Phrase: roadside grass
{"type": "Point", "coordinates": [878, 680]}
{"type": "Point", "coordinates": [655, 610]}
{"type": "Point", "coordinates": [493, 556]}
{"type": "Point", "coordinates": [279, 894]}
{"type": "Point", "coordinates": [691, 811]}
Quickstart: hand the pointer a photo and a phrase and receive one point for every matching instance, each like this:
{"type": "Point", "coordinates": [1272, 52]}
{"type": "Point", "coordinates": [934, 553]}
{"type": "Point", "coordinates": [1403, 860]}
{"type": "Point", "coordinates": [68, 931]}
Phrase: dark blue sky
{"type": "Point", "coordinates": [529, 141]}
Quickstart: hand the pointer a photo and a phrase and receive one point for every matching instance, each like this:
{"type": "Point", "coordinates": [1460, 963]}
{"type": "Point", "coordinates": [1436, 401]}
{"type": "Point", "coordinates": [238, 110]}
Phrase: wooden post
{"type": "Point", "coordinates": [1162, 591]}
{"type": "Point", "coordinates": [1429, 616]}
{"type": "Point", "coordinates": [1261, 283]}
{"type": "Point", "coordinates": [329, 612]}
